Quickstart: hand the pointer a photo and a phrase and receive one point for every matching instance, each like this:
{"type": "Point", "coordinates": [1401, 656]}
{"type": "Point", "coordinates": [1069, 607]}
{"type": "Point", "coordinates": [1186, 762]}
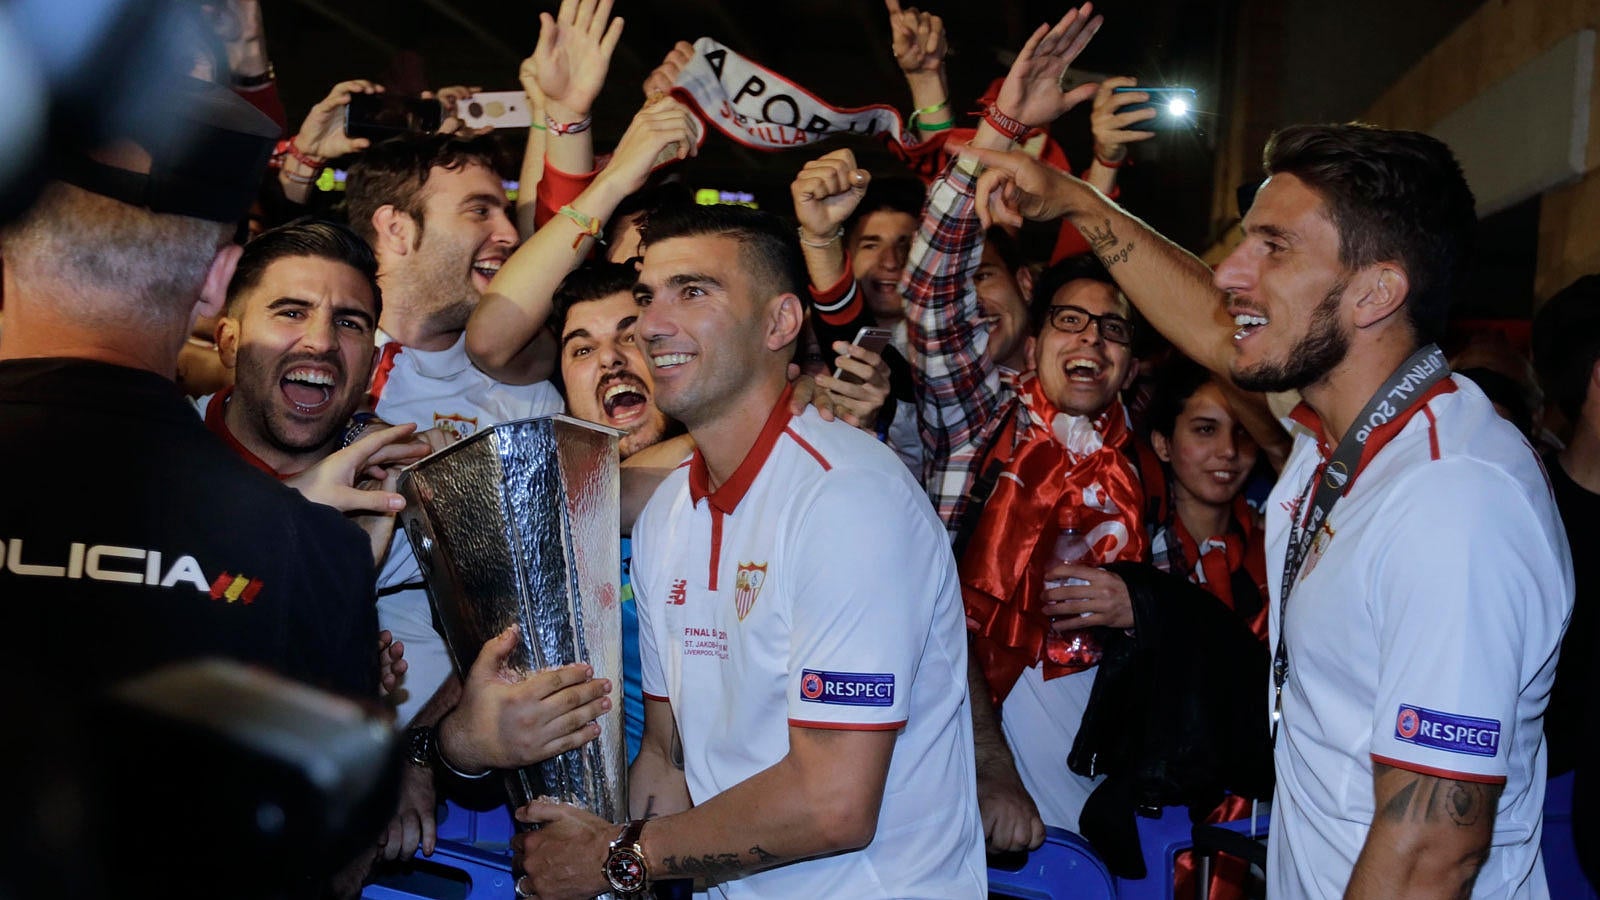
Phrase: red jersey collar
{"type": "Point", "coordinates": [1307, 417]}
{"type": "Point", "coordinates": [217, 423]}
{"type": "Point", "coordinates": [726, 498]}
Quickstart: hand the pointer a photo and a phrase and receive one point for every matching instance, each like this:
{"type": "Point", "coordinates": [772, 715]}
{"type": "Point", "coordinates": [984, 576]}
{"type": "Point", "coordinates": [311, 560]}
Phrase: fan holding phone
{"type": "Point", "coordinates": [1126, 114]}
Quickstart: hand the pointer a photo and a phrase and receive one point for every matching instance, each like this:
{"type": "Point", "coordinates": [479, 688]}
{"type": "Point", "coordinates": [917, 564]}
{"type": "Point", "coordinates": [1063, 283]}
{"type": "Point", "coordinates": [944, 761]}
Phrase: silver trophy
{"type": "Point", "coordinates": [520, 524]}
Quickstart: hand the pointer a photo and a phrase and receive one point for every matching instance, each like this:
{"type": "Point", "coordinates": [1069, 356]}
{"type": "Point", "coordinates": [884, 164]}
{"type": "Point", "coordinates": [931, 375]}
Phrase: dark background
{"type": "Point", "coordinates": [839, 49]}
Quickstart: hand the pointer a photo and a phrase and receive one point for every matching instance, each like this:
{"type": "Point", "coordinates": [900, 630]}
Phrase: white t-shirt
{"type": "Point", "coordinates": [1422, 634]}
{"type": "Point", "coordinates": [443, 389]}
{"type": "Point", "coordinates": [817, 589]}
{"type": "Point", "coordinates": [437, 389]}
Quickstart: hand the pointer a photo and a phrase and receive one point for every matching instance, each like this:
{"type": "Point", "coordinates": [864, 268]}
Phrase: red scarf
{"type": "Point", "coordinates": [1215, 563]}
{"type": "Point", "coordinates": [1067, 471]}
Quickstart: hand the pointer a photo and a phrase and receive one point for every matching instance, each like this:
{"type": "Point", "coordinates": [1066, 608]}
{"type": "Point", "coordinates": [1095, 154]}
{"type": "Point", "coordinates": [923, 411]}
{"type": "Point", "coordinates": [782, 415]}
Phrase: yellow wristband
{"type": "Point", "coordinates": [588, 224]}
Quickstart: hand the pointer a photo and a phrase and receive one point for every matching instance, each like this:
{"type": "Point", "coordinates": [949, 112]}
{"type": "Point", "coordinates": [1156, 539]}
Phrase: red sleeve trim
{"type": "Point", "coordinates": [557, 189]}
{"type": "Point", "coordinates": [1439, 773]}
{"type": "Point", "coordinates": [656, 697]}
{"type": "Point", "coordinates": [840, 302]}
{"type": "Point", "coordinates": [849, 726]}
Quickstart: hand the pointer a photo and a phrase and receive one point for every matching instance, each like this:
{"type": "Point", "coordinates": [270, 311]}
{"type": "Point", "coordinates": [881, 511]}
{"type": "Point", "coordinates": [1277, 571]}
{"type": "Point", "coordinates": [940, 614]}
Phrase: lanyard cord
{"type": "Point", "coordinates": [1424, 369]}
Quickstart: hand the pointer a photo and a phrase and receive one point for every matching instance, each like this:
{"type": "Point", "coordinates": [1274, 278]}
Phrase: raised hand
{"type": "Point", "coordinates": [662, 77]}
{"type": "Point", "coordinates": [1032, 91]}
{"type": "Point", "coordinates": [1110, 124]}
{"type": "Point", "coordinates": [574, 54]}
{"type": "Point", "coordinates": [322, 133]}
{"type": "Point", "coordinates": [826, 191]}
{"type": "Point", "coordinates": [918, 40]}
{"type": "Point", "coordinates": [1014, 186]}
{"type": "Point", "coordinates": [662, 130]}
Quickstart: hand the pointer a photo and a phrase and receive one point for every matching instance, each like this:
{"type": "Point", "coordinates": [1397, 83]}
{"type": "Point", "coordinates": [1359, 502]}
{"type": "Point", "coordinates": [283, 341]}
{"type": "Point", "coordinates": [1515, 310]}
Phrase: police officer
{"type": "Point", "coordinates": [129, 535]}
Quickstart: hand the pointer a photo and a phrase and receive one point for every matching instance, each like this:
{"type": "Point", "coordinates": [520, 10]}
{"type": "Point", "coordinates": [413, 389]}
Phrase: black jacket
{"type": "Point", "coordinates": [1177, 715]}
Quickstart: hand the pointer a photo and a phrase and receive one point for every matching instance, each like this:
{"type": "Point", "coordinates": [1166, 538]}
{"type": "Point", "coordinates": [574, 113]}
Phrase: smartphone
{"type": "Point", "coordinates": [379, 116]}
{"type": "Point", "coordinates": [874, 339]}
{"type": "Point", "coordinates": [1175, 107]}
{"type": "Point", "coordinates": [496, 109]}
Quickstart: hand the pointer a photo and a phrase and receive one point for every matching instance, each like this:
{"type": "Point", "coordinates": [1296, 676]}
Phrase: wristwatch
{"type": "Point", "coordinates": [625, 867]}
{"type": "Point", "coordinates": [420, 750]}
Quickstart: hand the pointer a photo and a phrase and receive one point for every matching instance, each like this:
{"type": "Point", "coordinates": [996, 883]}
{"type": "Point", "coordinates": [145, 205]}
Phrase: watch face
{"type": "Point", "coordinates": [419, 746]}
{"type": "Point", "coordinates": [625, 870]}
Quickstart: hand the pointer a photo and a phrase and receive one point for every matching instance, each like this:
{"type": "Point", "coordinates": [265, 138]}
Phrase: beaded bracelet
{"type": "Point", "coordinates": [820, 244]}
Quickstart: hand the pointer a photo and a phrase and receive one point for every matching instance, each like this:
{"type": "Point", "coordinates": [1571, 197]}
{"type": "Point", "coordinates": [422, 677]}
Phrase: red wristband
{"type": "Point", "coordinates": [1004, 124]}
{"type": "Point", "coordinates": [1113, 165]}
{"type": "Point", "coordinates": [286, 147]}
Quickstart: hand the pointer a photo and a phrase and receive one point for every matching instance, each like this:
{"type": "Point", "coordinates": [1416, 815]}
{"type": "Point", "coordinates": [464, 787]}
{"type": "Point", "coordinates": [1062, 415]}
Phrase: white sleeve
{"type": "Point", "coordinates": [868, 560]}
{"type": "Point", "coordinates": [1467, 594]}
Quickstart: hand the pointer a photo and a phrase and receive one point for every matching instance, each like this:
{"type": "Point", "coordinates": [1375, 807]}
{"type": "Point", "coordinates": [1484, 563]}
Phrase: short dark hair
{"type": "Point", "coordinates": [1175, 381]}
{"type": "Point", "coordinates": [646, 200]}
{"type": "Point", "coordinates": [768, 245]}
{"type": "Point", "coordinates": [897, 193]}
{"type": "Point", "coordinates": [305, 236]}
{"type": "Point", "coordinates": [1083, 267]}
{"type": "Point", "coordinates": [1006, 246]}
{"type": "Point", "coordinates": [1566, 344]}
{"type": "Point", "coordinates": [395, 172]}
{"type": "Point", "coordinates": [591, 281]}
{"type": "Point", "coordinates": [1392, 195]}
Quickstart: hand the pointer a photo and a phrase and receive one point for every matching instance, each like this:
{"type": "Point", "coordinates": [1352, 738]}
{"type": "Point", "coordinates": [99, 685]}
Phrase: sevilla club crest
{"type": "Point", "coordinates": [747, 587]}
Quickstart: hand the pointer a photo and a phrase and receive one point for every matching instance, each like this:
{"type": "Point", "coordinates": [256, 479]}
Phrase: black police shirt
{"type": "Point", "coordinates": [131, 537]}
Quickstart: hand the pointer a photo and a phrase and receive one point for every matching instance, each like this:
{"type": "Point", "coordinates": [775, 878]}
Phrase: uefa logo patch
{"type": "Point", "coordinates": [810, 686]}
{"type": "Point", "coordinates": [1446, 731]}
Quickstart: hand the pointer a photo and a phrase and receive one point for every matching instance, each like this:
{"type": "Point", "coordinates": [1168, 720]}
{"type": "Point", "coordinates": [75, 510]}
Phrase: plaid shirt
{"type": "Point", "coordinates": [961, 393]}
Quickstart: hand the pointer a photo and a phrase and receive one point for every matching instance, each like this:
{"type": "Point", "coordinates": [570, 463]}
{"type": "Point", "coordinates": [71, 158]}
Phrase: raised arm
{"type": "Point", "coordinates": [1113, 131]}
{"type": "Point", "coordinates": [503, 330]}
{"type": "Point", "coordinates": [571, 62]}
{"type": "Point", "coordinates": [825, 192]}
{"type": "Point", "coordinates": [532, 171]}
{"type": "Point", "coordinates": [321, 138]}
{"type": "Point", "coordinates": [1429, 837]}
{"type": "Point", "coordinates": [918, 41]}
{"type": "Point", "coordinates": [1171, 287]}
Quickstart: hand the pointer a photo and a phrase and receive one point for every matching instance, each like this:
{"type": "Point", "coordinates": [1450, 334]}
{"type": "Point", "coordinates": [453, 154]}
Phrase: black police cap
{"type": "Point", "coordinates": [206, 159]}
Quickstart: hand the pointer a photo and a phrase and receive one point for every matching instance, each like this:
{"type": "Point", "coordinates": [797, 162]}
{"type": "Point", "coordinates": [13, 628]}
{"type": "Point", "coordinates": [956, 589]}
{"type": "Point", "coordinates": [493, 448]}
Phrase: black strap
{"type": "Point", "coordinates": [1424, 369]}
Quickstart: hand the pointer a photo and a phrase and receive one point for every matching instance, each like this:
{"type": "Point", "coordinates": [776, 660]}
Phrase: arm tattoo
{"type": "Point", "coordinates": [1107, 245]}
{"type": "Point", "coordinates": [1101, 239]}
{"type": "Point", "coordinates": [1427, 799]}
{"type": "Point", "coordinates": [714, 867]}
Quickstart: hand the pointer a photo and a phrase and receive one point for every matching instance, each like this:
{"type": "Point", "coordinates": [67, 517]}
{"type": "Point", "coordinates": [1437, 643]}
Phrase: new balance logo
{"type": "Point", "coordinates": [679, 593]}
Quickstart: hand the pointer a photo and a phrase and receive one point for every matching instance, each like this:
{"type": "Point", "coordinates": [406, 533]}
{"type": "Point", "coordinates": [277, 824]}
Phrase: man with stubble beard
{"type": "Point", "coordinates": [1420, 579]}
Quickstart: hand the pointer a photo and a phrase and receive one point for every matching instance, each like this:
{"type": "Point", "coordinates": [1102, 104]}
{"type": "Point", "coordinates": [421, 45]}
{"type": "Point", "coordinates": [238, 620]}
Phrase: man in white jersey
{"type": "Point", "coordinates": [1429, 582]}
{"type": "Point", "coordinates": [807, 728]}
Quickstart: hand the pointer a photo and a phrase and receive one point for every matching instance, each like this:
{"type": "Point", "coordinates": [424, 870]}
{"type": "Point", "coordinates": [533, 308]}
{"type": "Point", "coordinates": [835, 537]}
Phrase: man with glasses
{"type": "Point", "coordinates": [1058, 458]}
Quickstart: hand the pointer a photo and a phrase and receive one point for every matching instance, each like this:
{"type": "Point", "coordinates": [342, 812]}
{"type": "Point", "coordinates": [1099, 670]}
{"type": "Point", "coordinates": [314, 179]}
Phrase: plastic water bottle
{"type": "Point", "coordinates": [1075, 648]}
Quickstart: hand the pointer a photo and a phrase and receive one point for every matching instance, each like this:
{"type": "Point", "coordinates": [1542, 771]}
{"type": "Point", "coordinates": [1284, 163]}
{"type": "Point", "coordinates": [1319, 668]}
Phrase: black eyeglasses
{"type": "Point", "coordinates": [1074, 319]}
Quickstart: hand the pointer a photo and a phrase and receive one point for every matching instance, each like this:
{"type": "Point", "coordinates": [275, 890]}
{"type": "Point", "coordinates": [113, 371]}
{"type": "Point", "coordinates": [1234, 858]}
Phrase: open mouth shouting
{"type": "Point", "coordinates": [624, 399]}
{"type": "Point", "coordinates": [1081, 370]}
{"type": "Point", "coordinates": [309, 387]}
